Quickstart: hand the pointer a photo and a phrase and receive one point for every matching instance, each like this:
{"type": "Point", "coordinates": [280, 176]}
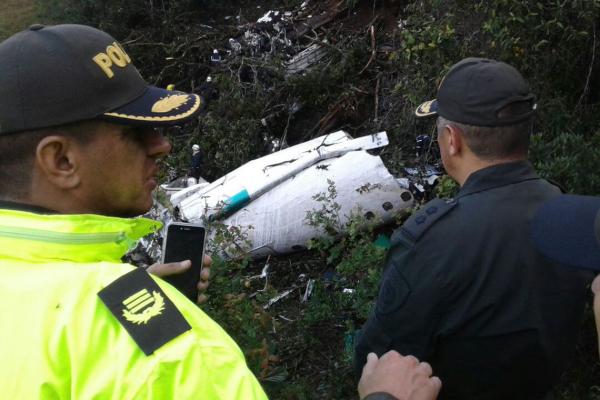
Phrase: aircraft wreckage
{"type": "Point", "coordinates": [270, 196]}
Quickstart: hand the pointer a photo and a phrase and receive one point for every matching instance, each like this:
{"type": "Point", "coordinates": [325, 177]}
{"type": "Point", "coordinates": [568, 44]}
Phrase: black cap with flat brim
{"type": "Point", "coordinates": [55, 75]}
{"type": "Point", "coordinates": [566, 229]}
{"type": "Point", "coordinates": [479, 91]}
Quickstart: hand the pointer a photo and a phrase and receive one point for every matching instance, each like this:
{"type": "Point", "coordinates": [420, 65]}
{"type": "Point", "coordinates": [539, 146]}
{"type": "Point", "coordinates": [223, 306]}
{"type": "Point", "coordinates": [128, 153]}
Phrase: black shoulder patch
{"type": "Point", "coordinates": [419, 223]}
{"type": "Point", "coordinates": [144, 310]}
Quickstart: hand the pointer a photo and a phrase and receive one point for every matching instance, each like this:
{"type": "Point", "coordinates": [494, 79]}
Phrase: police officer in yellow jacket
{"type": "Point", "coordinates": [78, 158]}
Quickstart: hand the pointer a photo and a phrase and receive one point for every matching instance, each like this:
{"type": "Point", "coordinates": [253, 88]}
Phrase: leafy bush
{"type": "Point", "coordinates": [351, 288]}
{"type": "Point", "coordinates": [563, 160]}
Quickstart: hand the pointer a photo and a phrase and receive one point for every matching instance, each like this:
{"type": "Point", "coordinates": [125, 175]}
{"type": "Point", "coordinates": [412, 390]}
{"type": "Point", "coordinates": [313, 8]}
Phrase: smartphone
{"type": "Point", "coordinates": [185, 242]}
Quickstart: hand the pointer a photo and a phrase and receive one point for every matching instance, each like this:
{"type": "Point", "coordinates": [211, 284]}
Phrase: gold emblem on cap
{"type": "Point", "coordinates": [426, 107]}
{"type": "Point", "coordinates": [142, 306]}
{"type": "Point", "coordinates": [169, 103]}
{"type": "Point", "coordinates": [161, 118]}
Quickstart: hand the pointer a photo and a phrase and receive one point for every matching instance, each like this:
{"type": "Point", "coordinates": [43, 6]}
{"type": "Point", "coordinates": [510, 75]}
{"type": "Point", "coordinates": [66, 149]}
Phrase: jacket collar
{"type": "Point", "coordinates": [33, 237]}
{"type": "Point", "coordinates": [496, 176]}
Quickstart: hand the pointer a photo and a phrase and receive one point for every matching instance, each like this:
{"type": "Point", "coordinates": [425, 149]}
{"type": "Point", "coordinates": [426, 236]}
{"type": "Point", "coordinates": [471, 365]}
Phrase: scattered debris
{"type": "Point", "coordinates": [263, 275]}
{"type": "Point", "coordinates": [178, 184]}
{"type": "Point", "coordinates": [310, 285]}
{"type": "Point", "coordinates": [308, 57]}
{"type": "Point", "coordinates": [286, 318]}
{"type": "Point", "coordinates": [277, 210]}
{"type": "Point", "coordinates": [423, 145]}
{"type": "Point", "coordinates": [280, 296]}
{"type": "Point", "coordinates": [235, 46]}
{"type": "Point", "coordinates": [272, 144]}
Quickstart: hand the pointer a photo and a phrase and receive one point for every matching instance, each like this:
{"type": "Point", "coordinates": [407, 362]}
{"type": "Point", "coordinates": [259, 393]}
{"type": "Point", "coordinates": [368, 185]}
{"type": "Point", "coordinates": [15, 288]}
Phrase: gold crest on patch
{"type": "Point", "coordinates": [169, 103]}
{"type": "Point", "coordinates": [142, 306]}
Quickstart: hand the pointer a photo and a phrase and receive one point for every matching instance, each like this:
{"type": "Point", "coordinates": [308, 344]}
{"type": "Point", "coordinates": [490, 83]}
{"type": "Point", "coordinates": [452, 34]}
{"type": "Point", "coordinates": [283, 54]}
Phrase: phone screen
{"type": "Point", "coordinates": [185, 242]}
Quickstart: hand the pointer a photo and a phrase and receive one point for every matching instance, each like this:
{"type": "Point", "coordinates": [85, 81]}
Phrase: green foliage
{"type": "Point", "coordinates": [227, 143]}
{"type": "Point", "coordinates": [424, 41]}
{"type": "Point", "coordinates": [563, 160]}
{"type": "Point", "coordinates": [327, 218]}
{"type": "Point", "coordinates": [552, 43]}
{"type": "Point", "coordinates": [66, 11]}
{"type": "Point", "coordinates": [245, 319]}
{"type": "Point", "coordinates": [446, 187]}
{"type": "Point", "coordinates": [350, 291]}
{"type": "Point", "coordinates": [230, 239]}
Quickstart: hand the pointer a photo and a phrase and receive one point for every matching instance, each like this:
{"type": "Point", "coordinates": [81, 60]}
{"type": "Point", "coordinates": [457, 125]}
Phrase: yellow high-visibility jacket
{"type": "Point", "coordinates": [60, 340]}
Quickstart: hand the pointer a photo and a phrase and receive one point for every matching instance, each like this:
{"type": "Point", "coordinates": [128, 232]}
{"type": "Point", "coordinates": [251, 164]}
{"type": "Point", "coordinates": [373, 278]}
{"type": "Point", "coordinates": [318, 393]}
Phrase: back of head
{"type": "Point", "coordinates": [490, 102]}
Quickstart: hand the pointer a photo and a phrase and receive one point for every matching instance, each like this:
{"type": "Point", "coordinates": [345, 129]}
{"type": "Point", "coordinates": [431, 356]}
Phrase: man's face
{"type": "Point", "coordinates": [442, 143]}
{"type": "Point", "coordinates": [119, 168]}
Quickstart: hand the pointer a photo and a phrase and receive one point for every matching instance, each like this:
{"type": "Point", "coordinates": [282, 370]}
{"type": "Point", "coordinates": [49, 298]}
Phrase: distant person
{"type": "Point", "coordinates": [463, 287]}
{"type": "Point", "coordinates": [79, 151]}
{"type": "Point", "coordinates": [207, 90]}
{"type": "Point", "coordinates": [215, 57]}
{"type": "Point", "coordinates": [196, 163]}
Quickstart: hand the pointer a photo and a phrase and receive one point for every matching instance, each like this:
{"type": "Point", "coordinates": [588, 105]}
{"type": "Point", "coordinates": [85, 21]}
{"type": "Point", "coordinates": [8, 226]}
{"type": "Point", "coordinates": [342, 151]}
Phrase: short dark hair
{"type": "Point", "coordinates": [498, 142]}
{"type": "Point", "coordinates": [17, 153]}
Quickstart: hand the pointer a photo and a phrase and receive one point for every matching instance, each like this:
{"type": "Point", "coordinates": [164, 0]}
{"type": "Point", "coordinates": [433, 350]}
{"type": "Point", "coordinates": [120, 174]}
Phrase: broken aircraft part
{"type": "Point", "coordinates": [274, 193]}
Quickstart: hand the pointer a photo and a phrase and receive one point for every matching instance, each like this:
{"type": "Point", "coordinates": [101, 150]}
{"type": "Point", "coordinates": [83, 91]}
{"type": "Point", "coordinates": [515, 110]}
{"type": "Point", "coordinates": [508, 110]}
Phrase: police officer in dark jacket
{"type": "Point", "coordinates": [463, 287]}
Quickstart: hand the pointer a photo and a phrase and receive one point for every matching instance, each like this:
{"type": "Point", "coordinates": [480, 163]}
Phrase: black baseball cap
{"type": "Point", "coordinates": [54, 75]}
{"type": "Point", "coordinates": [566, 229]}
{"type": "Point", "coordinates": [475, 90]}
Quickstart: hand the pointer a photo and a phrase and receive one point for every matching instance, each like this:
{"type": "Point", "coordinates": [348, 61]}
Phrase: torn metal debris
{"type": "Point", "coordinates": [181, 183]}
{"type": "Point", "coordinates": [310, 285]}
{"type": "Point", "coordinates": [305, 59]}
{"type": "Point", "coordinates": [280, 296]}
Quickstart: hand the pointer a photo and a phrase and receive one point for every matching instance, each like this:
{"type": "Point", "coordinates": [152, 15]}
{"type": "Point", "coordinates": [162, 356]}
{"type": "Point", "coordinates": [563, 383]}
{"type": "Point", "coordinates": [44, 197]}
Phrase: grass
{"type": "Point", "coordinates": [16, 15]}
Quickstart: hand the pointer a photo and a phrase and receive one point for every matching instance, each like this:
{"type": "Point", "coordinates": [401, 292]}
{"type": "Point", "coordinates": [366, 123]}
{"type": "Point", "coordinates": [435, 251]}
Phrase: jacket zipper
{"type": "Point", "coordinates": [62, 237]}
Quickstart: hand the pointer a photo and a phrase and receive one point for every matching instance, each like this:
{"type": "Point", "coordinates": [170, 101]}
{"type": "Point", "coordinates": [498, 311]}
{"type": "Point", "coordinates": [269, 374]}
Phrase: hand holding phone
{"type": "Point", "coordinates": [185, 241]}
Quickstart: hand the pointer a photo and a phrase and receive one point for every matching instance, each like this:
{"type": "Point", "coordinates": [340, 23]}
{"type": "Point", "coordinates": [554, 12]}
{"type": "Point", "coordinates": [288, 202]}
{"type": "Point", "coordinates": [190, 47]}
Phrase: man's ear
{"type": "Point", "coordinates": [455, 140]}
{"type": "Point", "coordinates": [56, 158]}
